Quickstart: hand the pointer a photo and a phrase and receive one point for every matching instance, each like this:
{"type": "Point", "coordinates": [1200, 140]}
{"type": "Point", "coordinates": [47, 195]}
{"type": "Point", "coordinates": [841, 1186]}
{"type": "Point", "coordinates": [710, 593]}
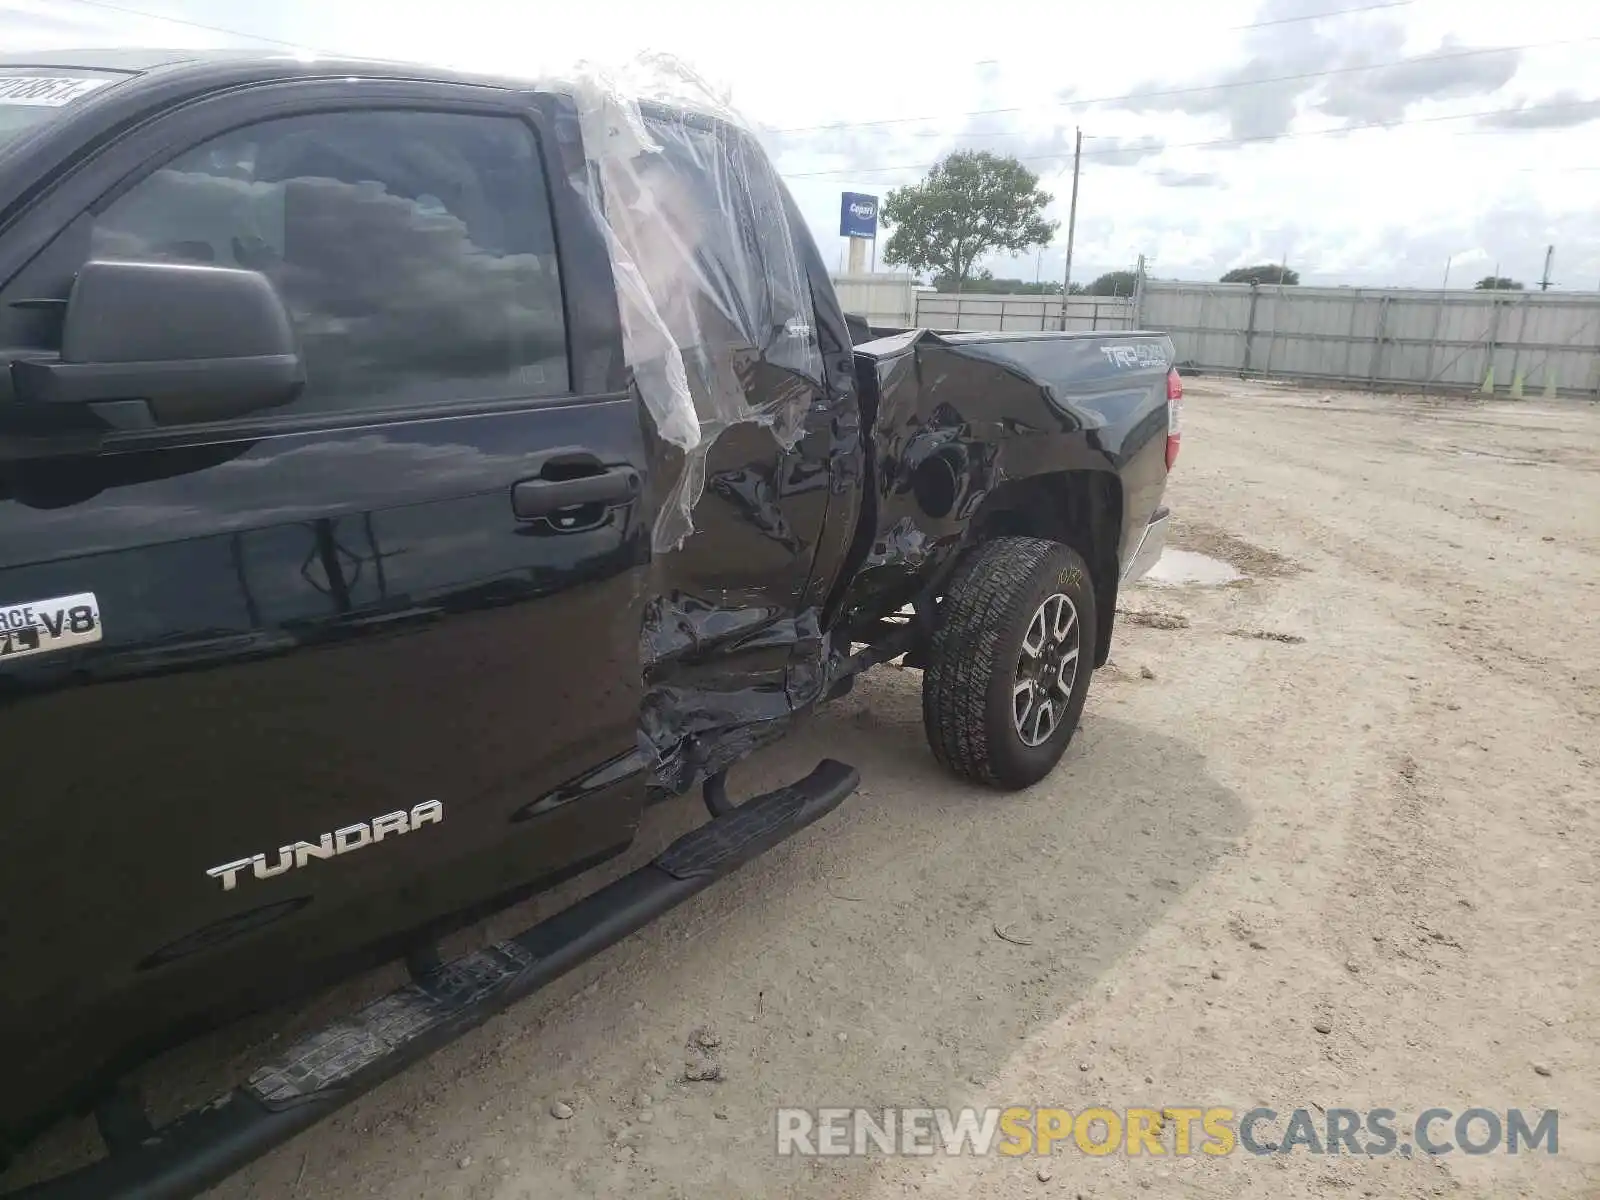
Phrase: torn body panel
{"type": "Point", "coordinates": [740, 356]}
{"type": "Point", "coordinates": [733, 644]}
{"type": "Point", "coordinates": [804, 489]}
{"type": "Point", "coordinates": [969, 436]}
{"type": "Point", "coordinates": [960, 421]}
{"type": "Point", "coordinates": [715, 299]}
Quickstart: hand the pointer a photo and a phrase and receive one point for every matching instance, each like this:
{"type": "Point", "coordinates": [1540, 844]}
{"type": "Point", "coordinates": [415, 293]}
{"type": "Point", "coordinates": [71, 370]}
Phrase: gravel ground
{"type": "Point", "coordinates": [1327, 838]}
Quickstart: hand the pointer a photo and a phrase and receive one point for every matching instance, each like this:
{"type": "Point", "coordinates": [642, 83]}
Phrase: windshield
{"type": "Point", "coordinates": [30, 96]}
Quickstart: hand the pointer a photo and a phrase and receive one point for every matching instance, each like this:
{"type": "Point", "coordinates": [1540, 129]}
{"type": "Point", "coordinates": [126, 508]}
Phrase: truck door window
{"type": "Point", "coordinates": [415, 251]}
{"type": "Point", "coordinates": [717, 191]}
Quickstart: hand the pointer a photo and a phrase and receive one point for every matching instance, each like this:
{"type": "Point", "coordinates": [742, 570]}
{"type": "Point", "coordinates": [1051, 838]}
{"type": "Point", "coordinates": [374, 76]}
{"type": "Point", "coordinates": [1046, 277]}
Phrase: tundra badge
{"type": "Point", "coordinates": [329, 845]}
{"type": "Point", "coordinates": [41, 626]}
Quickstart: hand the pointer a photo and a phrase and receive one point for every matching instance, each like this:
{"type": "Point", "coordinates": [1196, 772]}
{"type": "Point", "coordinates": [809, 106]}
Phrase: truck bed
{"type": "Point", "coordinates": [1024, 429]}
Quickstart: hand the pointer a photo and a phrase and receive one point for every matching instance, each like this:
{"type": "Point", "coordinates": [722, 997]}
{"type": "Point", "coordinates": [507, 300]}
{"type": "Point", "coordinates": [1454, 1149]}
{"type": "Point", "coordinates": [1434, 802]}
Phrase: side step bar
{"type": "Point", "coordinates": [334, 1065]}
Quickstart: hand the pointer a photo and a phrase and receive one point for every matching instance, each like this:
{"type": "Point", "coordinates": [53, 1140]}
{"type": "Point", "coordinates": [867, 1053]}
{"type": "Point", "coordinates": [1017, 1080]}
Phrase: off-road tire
{"type": "Point", "coordinates": [972, 673]}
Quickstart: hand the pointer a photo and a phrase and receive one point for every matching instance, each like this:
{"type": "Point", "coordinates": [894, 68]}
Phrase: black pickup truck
{"type": "Point", "coordinates": [352, 587]}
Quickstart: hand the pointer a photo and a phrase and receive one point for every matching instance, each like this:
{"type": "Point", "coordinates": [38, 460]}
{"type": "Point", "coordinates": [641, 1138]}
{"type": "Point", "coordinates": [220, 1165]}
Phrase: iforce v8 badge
{"type": "Point", "coordinates": [44, 626]}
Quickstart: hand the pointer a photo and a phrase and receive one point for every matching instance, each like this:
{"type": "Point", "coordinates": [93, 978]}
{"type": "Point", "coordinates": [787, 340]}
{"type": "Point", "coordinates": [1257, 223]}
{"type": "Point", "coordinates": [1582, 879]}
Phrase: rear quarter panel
{"type": "Point", "coordinates": [993, 410]}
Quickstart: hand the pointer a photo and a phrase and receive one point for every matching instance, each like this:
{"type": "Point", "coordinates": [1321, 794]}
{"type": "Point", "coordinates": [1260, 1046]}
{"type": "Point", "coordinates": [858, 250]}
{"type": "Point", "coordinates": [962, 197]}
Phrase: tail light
{"type": "Point", "coordinates": [1174, 414]}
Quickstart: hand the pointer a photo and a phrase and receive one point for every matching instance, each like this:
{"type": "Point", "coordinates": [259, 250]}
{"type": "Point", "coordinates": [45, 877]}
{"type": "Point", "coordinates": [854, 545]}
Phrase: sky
{"type": "Point", "coordinates": [1364, 142]}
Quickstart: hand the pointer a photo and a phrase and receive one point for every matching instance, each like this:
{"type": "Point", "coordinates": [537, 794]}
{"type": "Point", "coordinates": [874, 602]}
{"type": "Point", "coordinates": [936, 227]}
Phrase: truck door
{"type": "Point", "coordinates": [351, 664]}
{"type": "Point", "coordinates": [735, 641]}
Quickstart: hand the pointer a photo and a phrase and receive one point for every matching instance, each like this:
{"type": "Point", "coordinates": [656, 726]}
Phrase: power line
{"type": "Point", "coordinates": [239, 33]}
{"type": "Point", "coordinates": [256, 37]}
{"type": "Point", "coordinates": [1015, 133]}
{"type": "Point", "coordinates": [1387, 4]}
{"type": "Point", "coordinates": [1448, 56]}
{"type": "Point", "coordinates": [1157, 94]}
{"type": "Point", "coordinates": [1338, 12]}
{"type": "Point", "coordinates": [1244, 141]}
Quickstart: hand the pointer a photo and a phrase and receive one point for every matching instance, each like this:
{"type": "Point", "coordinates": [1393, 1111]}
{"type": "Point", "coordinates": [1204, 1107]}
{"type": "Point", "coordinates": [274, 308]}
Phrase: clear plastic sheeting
{"type": "Point", "coordinates": [715, 304]}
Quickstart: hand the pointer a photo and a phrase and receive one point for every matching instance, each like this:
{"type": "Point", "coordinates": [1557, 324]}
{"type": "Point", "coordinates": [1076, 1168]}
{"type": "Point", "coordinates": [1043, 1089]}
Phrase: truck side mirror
{"type": "Point", "coordinates": [147, 343]}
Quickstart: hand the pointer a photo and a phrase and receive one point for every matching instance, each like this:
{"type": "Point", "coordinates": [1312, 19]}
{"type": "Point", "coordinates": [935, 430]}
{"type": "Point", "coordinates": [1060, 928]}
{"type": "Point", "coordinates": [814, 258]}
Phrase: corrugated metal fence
{"type": "Point", "coordinates": [883, 299]}
{"type": "Point", "coordinates": [1391, 337]}
{"type": "Point", "coordinates": [897, 301]}
{"type": "Point", "coordinates": [948, 310]}
{"type": "Point", "coordinates": [1534, 341]}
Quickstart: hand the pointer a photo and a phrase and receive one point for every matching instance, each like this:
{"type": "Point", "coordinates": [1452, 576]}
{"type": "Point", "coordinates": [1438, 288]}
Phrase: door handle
{"type": "Point", "coordinates": [541, 497]}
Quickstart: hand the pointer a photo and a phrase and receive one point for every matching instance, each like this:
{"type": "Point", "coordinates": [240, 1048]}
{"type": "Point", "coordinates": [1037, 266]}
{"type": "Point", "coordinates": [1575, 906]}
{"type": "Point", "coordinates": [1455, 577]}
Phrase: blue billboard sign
{"type": "Point", "coordinates": [858, 215]}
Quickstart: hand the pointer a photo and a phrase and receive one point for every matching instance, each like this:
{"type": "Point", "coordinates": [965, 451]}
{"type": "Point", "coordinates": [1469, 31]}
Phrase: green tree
{"type": "Point", "coordinates": [971, 204]}
{"type": "Point", "coordinates": [1497, 283]}
{"type": "Point", "coordinates": [1113, 283]}
{"type": "Point", "coordinates": [985, 284]}
{"type": "Point", "coordinates": [978, 281]}
{"type": "Point", "coordinates": [1262, 273]}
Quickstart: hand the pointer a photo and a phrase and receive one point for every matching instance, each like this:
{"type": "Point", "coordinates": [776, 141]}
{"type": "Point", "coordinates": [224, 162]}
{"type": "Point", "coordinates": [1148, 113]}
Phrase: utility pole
{"type": "Point", "coordinates": [1072, 223]}
{"type": "Point", "coordinates": [1549, 253]}
{"type": "Point", "coordinates": [1137, 316]}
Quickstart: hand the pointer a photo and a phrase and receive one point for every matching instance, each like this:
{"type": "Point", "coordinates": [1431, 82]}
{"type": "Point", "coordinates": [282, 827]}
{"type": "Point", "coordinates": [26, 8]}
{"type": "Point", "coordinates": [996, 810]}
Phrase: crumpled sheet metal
{"type": "Point", "coordinates": [709, 280]}
{"type": "Point", "coordinates": [702, 714]}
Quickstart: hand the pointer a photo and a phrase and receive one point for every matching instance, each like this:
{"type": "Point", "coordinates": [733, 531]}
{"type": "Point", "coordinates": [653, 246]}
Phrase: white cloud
{"type": "Point", "coordinates": [1367, 206]}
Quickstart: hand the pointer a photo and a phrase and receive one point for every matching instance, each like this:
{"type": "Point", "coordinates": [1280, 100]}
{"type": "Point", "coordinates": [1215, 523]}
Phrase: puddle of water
{"type": "Point", "coordinates": [1177, 568]}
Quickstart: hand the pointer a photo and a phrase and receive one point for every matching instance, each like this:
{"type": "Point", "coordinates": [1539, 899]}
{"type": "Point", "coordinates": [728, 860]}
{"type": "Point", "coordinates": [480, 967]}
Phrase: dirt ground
{"type": "Point", "coordinates": [1329, 837]}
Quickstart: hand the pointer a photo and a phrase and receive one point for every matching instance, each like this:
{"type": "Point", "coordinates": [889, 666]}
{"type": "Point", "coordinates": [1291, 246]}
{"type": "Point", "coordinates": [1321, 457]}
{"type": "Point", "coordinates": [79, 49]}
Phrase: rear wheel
{"type": "Point", "coordinates": [1008, 669]}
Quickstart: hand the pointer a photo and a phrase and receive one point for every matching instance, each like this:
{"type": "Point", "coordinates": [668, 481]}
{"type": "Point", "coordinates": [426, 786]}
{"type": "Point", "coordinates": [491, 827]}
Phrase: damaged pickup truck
{"type": "Point", "coordinates": [405, 478]}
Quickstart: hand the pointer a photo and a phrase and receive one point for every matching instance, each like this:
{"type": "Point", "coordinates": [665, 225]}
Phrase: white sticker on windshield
{"type": "Point", "coordinates": [46, 91]}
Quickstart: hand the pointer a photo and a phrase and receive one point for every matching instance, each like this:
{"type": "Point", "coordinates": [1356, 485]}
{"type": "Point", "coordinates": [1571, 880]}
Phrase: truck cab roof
{"type": "Point", "coordinates": [54, 102]}
{"type": "Point", "coordinates": [130, 60]}
{"type": "Point", "coordinates": [226, 65]}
